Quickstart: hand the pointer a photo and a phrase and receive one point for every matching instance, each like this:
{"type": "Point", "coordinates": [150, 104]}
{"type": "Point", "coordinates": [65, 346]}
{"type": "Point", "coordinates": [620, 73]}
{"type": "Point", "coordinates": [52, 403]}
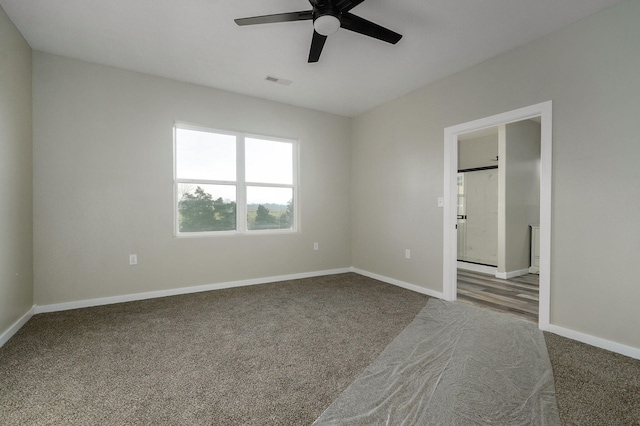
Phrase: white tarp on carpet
{"type": "Point", "coordinates": [455, 364]}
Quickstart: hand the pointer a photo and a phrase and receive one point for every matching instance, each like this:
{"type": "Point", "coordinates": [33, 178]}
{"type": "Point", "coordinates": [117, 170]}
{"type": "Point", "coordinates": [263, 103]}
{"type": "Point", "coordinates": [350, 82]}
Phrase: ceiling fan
{"type": "Point", "coordinates": [328, 16]}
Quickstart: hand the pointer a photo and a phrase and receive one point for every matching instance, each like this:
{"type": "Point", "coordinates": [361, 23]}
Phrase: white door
{"type": "Point", "coordinates": [478, 217]}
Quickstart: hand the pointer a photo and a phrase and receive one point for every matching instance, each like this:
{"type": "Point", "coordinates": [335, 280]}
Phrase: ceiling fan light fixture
{"type": "Point", "coordinates": [328, 16]}
{"type": "Point", "coordinates": [326, 24]}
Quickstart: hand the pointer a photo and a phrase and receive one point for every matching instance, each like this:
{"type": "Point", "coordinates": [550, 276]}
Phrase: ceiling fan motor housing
{"type": "Point", "coordinates": [326, 19]}
{"type": "Point", "coordinates": [328, 16]}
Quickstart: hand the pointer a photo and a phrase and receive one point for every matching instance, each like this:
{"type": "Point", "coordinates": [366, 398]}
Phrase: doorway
{"type": "Point", "coordinates": [542, 113]}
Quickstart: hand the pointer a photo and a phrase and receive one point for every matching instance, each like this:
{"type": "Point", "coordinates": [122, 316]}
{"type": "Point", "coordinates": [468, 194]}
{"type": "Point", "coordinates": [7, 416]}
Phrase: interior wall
{"type": "Point", "coordinates": [521, 192]}
{"type": "Point", "coordinates": [590, 71]}
{"type": "Point", "coordinates": [16, 271]}
{"type": "Point", "coordinates": [103, 185]}
{"type": "Point", "coordinates": [478, 152]}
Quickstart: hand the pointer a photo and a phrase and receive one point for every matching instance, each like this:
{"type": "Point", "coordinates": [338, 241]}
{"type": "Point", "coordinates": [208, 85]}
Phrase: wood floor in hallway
{"type": "Point", "coordinates": [516, 296]}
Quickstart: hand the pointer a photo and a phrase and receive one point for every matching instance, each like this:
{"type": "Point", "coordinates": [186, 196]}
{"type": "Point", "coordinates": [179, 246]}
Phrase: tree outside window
{"type": "Point", "coordinates": [210, 181]}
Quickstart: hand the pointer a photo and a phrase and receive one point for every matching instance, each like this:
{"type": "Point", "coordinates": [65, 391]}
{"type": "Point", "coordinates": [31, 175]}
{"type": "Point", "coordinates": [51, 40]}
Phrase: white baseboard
{"type": "Point", "coordinates": [35, 309]}
{"type": "Point", "coordinates": [595, 341]}
{"type": "Point", "coordinates": [511, 274]}
{"type": "Point", "coordinates": [178, 291]}
{"type": "Point", "coordinates": [399, 283]}
{"type": "Point", "coordinates": [483, 269]}
{"type": "Point", "coordinates": [56, 307]}
{"type": "Point", "coordinates": [13, 329]}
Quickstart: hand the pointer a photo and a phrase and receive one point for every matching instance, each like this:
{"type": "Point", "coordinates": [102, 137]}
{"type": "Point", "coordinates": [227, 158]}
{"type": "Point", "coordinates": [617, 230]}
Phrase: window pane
{"type": "Point", "coordinates": [269, 208]}
{"type": "Point", "coordinates": [205, 208]}
{"type": "Point", "coordinates": [205, 155]}
{"type": "Point", "coordinates": [268, 161]}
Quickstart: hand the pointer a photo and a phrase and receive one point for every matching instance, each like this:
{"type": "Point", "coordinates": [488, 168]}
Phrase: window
{"type": "Point", "coordinates": [233, 183]}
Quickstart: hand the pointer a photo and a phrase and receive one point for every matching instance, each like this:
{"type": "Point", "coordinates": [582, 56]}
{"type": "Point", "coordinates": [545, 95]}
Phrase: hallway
{"type": "Point", "coordinates": [517, 296]}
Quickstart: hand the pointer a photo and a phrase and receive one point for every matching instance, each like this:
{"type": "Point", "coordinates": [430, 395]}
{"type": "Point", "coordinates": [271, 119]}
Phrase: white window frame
{"type": "Point", "coordinates": [240, 183]}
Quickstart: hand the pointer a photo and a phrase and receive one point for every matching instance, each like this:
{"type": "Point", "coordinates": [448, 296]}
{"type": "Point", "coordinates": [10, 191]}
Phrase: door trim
{"type": "Point", "coordinates": [544, 111]}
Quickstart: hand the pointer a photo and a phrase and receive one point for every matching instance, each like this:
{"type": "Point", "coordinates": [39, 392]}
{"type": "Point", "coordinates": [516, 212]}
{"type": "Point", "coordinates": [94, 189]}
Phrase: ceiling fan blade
{"type": "Point", "coordinates": [347, 5]}
{"type": "Point", "coordinates": [362, 26]}
{"type": "Point", "coordinates": [278, 17]}
{"type": "Point", "coordinates": [317, 43]}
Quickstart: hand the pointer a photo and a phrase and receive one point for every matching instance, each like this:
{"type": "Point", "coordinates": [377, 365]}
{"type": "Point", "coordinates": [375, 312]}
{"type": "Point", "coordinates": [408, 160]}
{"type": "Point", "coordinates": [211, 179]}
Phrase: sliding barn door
{"type": "Point", "coordinates": [478, 217]}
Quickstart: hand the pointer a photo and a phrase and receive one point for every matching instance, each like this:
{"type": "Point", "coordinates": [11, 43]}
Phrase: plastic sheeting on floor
{"type": "Point", "coordinates": [455, 364]}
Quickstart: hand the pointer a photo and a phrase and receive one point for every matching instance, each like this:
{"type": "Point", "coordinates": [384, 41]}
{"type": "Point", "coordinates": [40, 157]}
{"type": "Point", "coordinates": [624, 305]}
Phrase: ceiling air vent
{"type": "Point", "coordinates": [279, 80]}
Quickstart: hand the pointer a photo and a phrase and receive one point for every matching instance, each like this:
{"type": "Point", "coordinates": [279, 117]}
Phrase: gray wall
{"type": "Point", "coordinates": [590, 71]}
{"type": "Point", "coordinates": [103, 185]}
{"type": "Point", "coordinates": [520, 169]}
{"type": "Point", "coordinates": [477, 152]}
{"type": "Point", "coordinates": [16, 267]}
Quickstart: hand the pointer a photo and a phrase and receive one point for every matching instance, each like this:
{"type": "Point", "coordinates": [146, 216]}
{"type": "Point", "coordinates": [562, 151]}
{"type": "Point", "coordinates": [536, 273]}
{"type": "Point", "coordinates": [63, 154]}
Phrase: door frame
{"type": "Point", "coordinates": [544, 112]}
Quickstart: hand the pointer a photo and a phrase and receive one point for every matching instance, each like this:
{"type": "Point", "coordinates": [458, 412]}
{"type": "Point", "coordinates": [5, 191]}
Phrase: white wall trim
{"type": "Point", "coordinates": [483, 269]}
{"type": "Point", "coordinates": [544, 111]}
{"type": "Point", "coordinates": [56, 307]}
{"type": "Point", "coordinates": [594, 341]}
{"type": "Point", "coordinates": [13, 329]}
{"type": "Point", "coordinates": [570, 334]}
{"type": "Point", "coordinates": [512, 274]}
{"type": "Point", "coordinates": [178, 291]}
{"type": "Point", "coordinates": [399, 283]}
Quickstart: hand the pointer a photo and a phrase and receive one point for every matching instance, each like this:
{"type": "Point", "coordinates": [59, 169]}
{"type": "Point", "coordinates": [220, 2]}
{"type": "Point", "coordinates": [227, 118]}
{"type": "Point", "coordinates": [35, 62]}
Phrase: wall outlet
{"type": "Point", "coordinates": [316, 247]}
{"type": "Point", "coordinates": [440, 201]}
{"type": "Point", "coordinates": [133, 259]}
{"type": "Point", "coordinates": [407, 254]}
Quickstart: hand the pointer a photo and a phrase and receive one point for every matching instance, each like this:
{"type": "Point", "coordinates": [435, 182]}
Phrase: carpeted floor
{"type": "Point", "coordinates": [274, 354]}
{"type": "Point", "coordinates": [594, 386]}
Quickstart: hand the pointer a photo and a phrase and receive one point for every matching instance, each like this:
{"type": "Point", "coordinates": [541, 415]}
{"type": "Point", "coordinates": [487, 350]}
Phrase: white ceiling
{"type": "Point", "coordinates": [197, 41]}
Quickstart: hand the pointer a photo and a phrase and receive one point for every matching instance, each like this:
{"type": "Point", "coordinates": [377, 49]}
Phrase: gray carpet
{"type": "Point", "coordinates": [455, 364]}
{"type": "Point", "coordinates": [275, 354]}
{"type": "Point", "coordinates": [594, 386]}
